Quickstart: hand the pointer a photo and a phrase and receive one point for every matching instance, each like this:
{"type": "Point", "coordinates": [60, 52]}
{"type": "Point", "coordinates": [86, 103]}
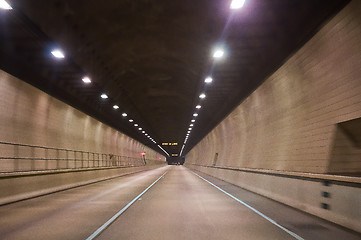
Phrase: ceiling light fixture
{"type": "Point", "coordinates": [202, 95]}
{"type": "Point", "coordinates": [198, 106]}
{"type": "Point", "coordinates": [4, 5]}
{"type": "Point", "coordinates": [191, 125]}
{"type": "Point", "coordinates": [193, 120]}
{"type": "Point", "coordinates": [116, 107]}
{"type": "Point", "coordinates": [58, 53]}
{"type": "Point", "coordinates": [86, 80]}
{"type": "Point", "coordinates": [139, 129]}
{"type": "Point", "coordinates": [124, 115]}
{"type": "Point", "coordinates": [135, 125]}
{"type": "Point", "coordinates": [218, 53]}
{"type": "Point", "coordinates": [195, 114]}
{"type": "Point", "coordinates": [104, 96]}
{"type": "Point", "coordinates": [236, 4]}
{"type": "Point", "coordinates": [143, 131]}
{"type": "Point", "coordinates": [208, 80]}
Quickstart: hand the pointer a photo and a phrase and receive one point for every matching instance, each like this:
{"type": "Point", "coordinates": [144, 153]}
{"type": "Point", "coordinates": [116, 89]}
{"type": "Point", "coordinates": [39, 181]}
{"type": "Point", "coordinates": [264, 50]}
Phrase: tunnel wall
{"type": "Point", "coordinates": [30, 116]}
{"type": "Point", "coordinates": [294, 123]}
{"type": "Point", "coordinates": [290, 121]}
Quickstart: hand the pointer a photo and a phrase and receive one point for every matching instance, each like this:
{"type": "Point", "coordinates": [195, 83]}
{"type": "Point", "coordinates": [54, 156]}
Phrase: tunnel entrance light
{"type": "Point", "coordinates": [4, 5]}
{"type": "Point", "coordinates": [86, 80]}
{"type": "Point", "coordinates": [236, 4]}
{"type": "Point", "coordinates": [208, 80]}
{"type": "Point", "coordinates": [57, 53]}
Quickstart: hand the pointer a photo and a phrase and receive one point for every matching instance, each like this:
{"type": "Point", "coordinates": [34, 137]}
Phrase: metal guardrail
{"type": "Point", "coordinates": [16, 157]}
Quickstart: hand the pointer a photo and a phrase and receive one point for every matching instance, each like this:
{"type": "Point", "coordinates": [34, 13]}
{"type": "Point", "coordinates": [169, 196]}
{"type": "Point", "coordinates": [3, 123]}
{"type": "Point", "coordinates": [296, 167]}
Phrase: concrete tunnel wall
{"type": "Point", "coordinates": [30, 116]}
{"type": "Point", "coordinates": [291, 125]}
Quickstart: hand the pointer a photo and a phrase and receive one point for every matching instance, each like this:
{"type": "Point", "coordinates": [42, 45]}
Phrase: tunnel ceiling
{"type": "Point", "coordinates": [151, 57]}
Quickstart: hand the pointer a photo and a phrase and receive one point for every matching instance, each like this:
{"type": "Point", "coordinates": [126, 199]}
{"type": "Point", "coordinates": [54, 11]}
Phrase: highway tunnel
{"type": "Point", "coordinates": [180, 120]}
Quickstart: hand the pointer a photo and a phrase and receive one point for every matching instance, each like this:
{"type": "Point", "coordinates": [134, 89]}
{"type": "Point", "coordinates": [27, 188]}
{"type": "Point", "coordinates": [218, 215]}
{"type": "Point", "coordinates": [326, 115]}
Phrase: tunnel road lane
{"type": "Point", "coordinates": [74, 213]}
{"type": "Point", "coordinates": [177, 205]}
{"type": "Point", "coordinates": [183, 206]}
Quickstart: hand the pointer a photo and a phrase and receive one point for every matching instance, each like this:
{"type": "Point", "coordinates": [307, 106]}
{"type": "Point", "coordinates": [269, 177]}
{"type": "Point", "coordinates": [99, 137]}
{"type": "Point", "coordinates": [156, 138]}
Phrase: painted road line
{"type": "Point", "coordinates": [110, 221]}
{"type": "Point", "coordinates": [253, 209]}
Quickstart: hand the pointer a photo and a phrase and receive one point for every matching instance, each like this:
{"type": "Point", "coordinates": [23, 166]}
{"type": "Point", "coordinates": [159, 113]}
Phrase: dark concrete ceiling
{"type": "Point", "coordinates": [151, 57]}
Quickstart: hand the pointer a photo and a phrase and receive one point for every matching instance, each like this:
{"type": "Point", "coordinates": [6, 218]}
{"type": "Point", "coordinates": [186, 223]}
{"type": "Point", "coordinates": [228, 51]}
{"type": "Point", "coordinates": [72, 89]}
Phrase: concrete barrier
{"type": "Point", "coordinates": [20, 186]}
{"type": "Point", "coordinates": [334, 198]}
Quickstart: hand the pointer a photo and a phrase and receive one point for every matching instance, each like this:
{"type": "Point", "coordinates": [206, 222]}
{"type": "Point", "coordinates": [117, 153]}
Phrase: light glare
{"type": "Point", "coordinates": [58, 53]}
{"type": "Point", "coordinates": [218, 53]}
{"type": "Point", "coordinates": [236, 4]}
{"type": "Point", "coordinates": [5, 5]}
{"type": "Point", "coordinates": [86, 80]}
{"type": "Point", "coordinates": [208, 80]}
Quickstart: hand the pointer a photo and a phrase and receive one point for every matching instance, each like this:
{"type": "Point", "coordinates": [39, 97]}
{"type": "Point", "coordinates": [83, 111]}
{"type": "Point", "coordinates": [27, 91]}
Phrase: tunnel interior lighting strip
{"type": "Point", "coordinates": [163, 150]}
{"type": "Point", "coordinates": [218, 53]}
{"type": "Point", "coordinates": [4, 5]}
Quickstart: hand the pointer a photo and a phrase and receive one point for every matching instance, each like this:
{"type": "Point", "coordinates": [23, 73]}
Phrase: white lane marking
{"type": "Point", "coordinates": [110, 221]}
{"type": "Point", "coordinates": [253, 209]}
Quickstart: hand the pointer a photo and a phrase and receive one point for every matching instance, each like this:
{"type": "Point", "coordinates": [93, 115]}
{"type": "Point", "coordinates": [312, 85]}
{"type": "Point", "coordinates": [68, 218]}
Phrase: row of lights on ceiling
{"type": "Point", "coordinates": [218, 53]}
{"type": "Point", "coordinates": [59, 54]}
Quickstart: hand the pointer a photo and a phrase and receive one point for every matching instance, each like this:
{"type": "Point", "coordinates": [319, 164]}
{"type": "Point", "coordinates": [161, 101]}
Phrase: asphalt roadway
{"type": "Point", "coordinates": [169, 203]}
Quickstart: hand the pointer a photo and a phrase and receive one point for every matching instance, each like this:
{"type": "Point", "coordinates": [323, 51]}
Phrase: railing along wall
{"type": "Point", "coordinates": [16, 157]}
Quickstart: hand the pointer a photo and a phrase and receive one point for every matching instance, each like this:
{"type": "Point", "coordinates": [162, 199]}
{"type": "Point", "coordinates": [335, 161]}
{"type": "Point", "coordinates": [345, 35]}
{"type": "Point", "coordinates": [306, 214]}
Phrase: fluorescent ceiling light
{"type": "Point", "coordinates": [198, 106]}
{"type": "Point", "coordinates": [104, 96]}
{"type": "Point", "coordinates": [86, 80]}
{"type": "Point", "coordinates": [135, 125]}
{"type": "Point", "coordinates": [116, 107]}
{"type": "Point", "coordinates": [139, 129]}
{"type": "Point", "coordinates": [58, 53]}
{"type": "Point", "coordinates": [208, 80]}
{"type": "Point", "coordinates": [195, 114]}
{"type": "Point", "coordinates": [193, 120]}
{"type": "Point", "coordinates": [191, 125]}
{"type": "Point", "coordinates": [5, 5]}
{"type": "Point", "coordinates": [143, 131]}
{"type": "Point", "coordinates": [130, 120]}
{"type": "Point", "coordinates": [202, 95]}
{"type": "Point", "coordinates": [236, 4]}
